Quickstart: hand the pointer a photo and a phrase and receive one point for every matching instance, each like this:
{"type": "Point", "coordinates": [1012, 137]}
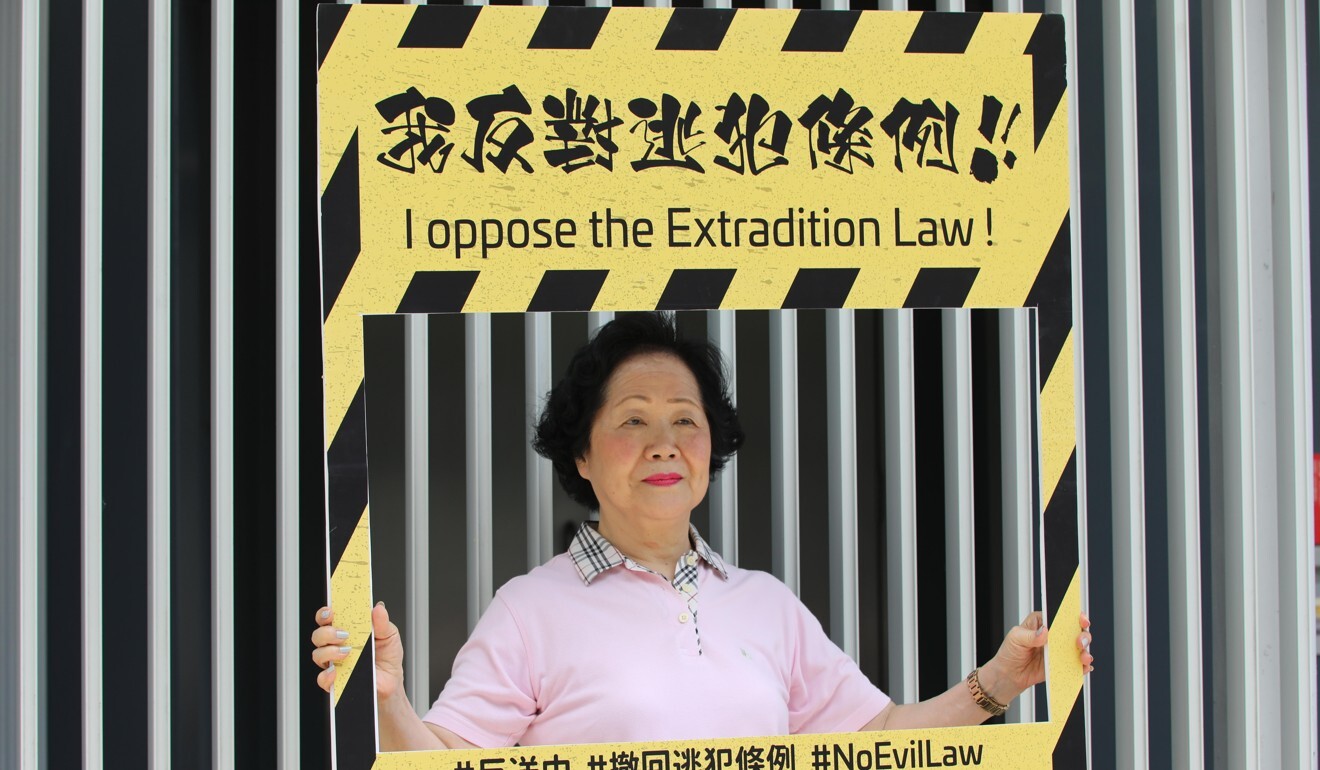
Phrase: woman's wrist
{"type": "Point", "coordinates": [996, 684]}
{"type": "Point", "coordinates": [398, 698]}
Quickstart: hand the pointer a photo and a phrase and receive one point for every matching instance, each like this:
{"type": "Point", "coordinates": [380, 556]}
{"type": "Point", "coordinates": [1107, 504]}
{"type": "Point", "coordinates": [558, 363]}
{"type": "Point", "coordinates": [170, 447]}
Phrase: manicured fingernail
{"type": "Point", "coordinates": [325, 614]}
{"type": "Point", "coordinates": [341, 634]}
{"type": "Point", "coordinates": [346, 649]}
{"type": "Point", "coordinates": [330, 667]}
{"type": "Point", "coordinates": [1040, 630]}
{"type": "Point", "coordinates": [380, 604]}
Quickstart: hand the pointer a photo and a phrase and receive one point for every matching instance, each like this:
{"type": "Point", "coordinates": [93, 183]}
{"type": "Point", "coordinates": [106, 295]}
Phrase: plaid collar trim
{"type": "Point", "coordinates": [592, 554]}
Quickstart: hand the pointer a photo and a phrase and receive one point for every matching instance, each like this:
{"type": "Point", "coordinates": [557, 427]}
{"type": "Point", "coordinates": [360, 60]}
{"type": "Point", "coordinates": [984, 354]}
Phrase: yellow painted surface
{"type": "Point", "coordinates": [1026, 206]}
{"type": "Point", "coordinates": [350, 593]}
{"type": "Point", "coordinates": [1028, 201]}
{"type": "Point", "coordinates": [1064, 674]}
{"type": "Point", "coordinates": [1002, 747]}
{"type": "Point", "coordinates": [1057, 407]}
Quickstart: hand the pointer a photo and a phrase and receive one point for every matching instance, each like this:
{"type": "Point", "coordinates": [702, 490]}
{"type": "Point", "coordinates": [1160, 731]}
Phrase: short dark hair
{"type": "Point", "coordinates": [563, 432]}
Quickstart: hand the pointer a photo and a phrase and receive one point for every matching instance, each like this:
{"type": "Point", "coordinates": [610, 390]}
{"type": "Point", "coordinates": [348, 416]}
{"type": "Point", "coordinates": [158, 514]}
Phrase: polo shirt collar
{"type": "Point", "coordinates": [592, 554]}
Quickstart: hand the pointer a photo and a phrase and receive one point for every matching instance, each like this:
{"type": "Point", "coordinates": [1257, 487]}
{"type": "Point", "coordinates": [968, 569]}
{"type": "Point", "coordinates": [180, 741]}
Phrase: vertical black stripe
{"type": "Point", "coordinates": [1154, 437]}
{"type": "Point", "coordinates": [1094, 282]}
{"type": "Point", "coordinates": [256, 371]}
{"type": "Point", "coordinates": [1052, 294]}
{"type": "Point", "coordinates": [569, 28]}
{"type": "Point", "coordinates": [1049, 75]}
{"type": "Point", "coordinates": [941, 287]}
{"type": "Point", "coordinates": [329, 19]}
{"type": "Point", "coordinates": [943, 32]}
{"type": "Point", "coordinates": [929, 492]}
{"type": "Point", "coordinates": [62, 640]}
{"type": "Point", "coordinates": [190, 204]}
{"type": "Point", "coordinates": [827, 31]}
{"type": "Point", "coordinates": [341, 227]}
{"type": "Point", "coordinates": [988, 475]}
{"type": "Point", "coordinates": [346, 465]}
{"type": "Point", "coordinates": [125, 393]}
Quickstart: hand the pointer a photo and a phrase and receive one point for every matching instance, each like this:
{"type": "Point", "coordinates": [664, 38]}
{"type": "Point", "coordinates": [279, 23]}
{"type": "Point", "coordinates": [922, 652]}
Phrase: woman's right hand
{"type": "Point", "coordinates": [329, 647]}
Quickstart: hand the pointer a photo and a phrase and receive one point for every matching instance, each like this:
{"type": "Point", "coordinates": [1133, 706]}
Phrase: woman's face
{"type": "Point", "coordinates": [649, 454]}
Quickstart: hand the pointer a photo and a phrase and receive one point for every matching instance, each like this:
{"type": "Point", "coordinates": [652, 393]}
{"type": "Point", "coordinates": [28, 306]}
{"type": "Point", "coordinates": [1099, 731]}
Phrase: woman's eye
{"type": "Point", "coordinates": [633, 421]}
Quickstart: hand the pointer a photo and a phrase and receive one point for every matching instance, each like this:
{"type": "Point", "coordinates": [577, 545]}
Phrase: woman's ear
{"type": "Point", "coordinates": [583, 468]}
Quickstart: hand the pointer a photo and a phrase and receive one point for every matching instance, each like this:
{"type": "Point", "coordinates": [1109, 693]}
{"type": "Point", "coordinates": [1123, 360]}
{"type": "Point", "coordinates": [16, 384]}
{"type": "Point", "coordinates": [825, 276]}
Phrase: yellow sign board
{"type": "Point", "coordinates": [496, 159]}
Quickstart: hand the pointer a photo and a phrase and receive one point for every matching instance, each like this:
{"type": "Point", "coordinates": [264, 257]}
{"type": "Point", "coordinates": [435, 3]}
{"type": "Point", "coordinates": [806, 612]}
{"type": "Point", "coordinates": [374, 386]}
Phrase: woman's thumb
{"type": "Point", "coordinates": [381, 627]}
{"type": "Point", "coordinates": [1029, 637]}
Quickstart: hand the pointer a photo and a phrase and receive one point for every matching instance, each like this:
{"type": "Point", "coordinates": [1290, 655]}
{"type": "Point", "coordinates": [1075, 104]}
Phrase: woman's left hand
{"type": "Point", "coordinates": [1020, 662]}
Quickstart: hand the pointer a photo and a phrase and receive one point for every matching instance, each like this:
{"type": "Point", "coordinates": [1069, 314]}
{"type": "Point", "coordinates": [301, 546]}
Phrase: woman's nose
{"type": "Point", "coordinates": [663, 445]}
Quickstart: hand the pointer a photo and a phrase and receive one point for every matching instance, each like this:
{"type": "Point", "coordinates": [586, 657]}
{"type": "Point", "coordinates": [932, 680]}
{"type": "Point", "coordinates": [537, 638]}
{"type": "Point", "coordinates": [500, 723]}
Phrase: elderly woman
{"type": "Point", "coordinates": [641, 631]}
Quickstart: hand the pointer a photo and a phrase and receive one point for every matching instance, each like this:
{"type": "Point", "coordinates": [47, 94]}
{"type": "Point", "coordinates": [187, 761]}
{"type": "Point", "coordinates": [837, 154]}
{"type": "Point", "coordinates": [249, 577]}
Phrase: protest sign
{"type": "Point", "coordinates": [518, 159]}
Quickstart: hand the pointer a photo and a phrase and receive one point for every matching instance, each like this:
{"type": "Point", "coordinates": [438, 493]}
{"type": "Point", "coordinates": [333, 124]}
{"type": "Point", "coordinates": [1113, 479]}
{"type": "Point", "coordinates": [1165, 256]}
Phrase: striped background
{"type": "Point", "coordinates": [159, 391]}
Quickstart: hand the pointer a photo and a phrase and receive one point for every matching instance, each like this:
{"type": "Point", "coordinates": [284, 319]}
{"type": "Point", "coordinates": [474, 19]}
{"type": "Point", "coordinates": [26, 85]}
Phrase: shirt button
{"type": "Point", "coordinates": [684, 617]}
{"type": "Point", "coordinates": [691, 559]}
{"type": "Point", "coordinates": [689, 589]}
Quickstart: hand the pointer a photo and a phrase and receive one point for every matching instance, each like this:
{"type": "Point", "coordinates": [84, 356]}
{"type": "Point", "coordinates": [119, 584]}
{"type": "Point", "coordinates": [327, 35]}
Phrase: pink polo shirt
{"type": "Point", "coordinates": [625, 658]}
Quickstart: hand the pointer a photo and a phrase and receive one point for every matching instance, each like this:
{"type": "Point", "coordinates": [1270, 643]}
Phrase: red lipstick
{"type": "Point", "coordinates": [663, 479]}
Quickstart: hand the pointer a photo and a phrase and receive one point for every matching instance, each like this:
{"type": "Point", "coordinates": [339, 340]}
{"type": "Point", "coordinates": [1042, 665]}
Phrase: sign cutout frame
{"type": "Point", "coordinates": [947, 230]}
